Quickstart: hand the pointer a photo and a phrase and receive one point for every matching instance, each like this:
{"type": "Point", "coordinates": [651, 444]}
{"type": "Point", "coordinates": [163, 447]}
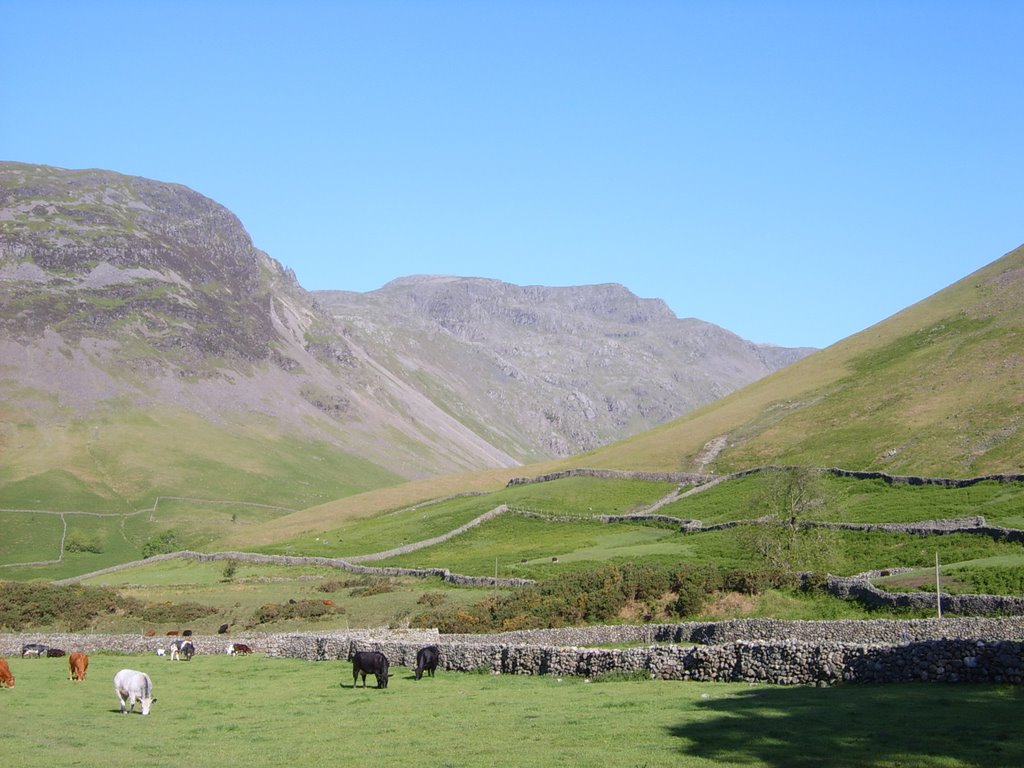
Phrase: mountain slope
{"type": "Point", "coordinates": [549, 371]}
{"type": "Point", "coordinates": [132, 307]}
{"type": "Point", "coordinates": [936, 389]}
{"type": "Point", "coordinates": [148, 348]}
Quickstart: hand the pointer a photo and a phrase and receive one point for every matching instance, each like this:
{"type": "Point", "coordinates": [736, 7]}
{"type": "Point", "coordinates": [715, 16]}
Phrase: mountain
{"type": "Point", "coordinates": [937, 389]}
{"type": "Point", "coordinates": [548, 371]}
{"type": "Point", "coordinates": [147, 349]}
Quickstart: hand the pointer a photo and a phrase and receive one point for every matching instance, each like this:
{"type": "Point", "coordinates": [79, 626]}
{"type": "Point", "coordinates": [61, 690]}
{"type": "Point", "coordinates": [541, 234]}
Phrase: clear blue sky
{"type": "Point", "coordinates": [792, 171]}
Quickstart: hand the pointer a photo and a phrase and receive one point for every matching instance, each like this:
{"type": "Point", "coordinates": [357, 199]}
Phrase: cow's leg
{"type": "Point", "coordinates": [121, 699]}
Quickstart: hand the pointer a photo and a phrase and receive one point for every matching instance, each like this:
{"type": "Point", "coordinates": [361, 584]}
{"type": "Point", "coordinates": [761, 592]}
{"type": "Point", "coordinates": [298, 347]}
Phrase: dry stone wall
{"type": "Point", "coordinates": [768, 651]}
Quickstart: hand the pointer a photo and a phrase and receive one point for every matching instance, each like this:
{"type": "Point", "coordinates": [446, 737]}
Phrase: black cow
{"type": "Point", "coordinates": [370, 663]}
{"type": "Point", "coordinates": [426, 659]}
{"type": "Point", "coordinates": [182, 649]}
{"type": "Point", "coordinates": [34, 649]}
{"type": "Point", "coordinates": [55, 652]}
{"type": "Point", "coordinates": [223, 629]}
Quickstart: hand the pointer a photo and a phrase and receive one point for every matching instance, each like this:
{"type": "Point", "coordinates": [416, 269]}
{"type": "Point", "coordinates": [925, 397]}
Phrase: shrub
{"type": "Point", "coordinates": [32, 604]}
{"type": "Point", "coordinates": [298, 609]}
{"type": "Point", "coordinates": [433, 599]}
{"type": "Point", "coordinates": [175, 613]}
{"type": "Point", "coordinates": [161, 544]}
{"type": "Point", "coordinates": [690, 600]}
{"type": "Point", "coordinates": [331, 585]}
{"type": "Point", "coordinates": [376, 587]}
{"type": "Point", "coordinates": [77, 541]}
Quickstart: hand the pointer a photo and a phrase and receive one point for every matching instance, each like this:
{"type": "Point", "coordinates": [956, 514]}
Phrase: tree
{"type": "Point", "coordinates": [790, 499]}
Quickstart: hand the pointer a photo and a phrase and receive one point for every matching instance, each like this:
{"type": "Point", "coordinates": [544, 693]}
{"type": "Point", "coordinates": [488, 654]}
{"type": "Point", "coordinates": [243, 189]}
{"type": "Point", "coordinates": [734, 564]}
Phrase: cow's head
{"type": "Point", "coordinates": [146, 704]}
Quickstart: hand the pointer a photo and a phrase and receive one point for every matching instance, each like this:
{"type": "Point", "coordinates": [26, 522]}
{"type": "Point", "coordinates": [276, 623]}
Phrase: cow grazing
{"type": "Point", "coordinates": [150, 633]}
{"type": "Point", "coordinates": [426, 659]}
{"type": "Point", "coordinates": [33, 649]}
{"type": "Point", "coordinates": [223, 629]}
{"type": "Point", "coordinates": [130, 687]}
{"type": "Point", "coordinates": [77, 664]}
{"type": "Point", "coordinates": [182, 648]}
{"type": "Point", "coordinates": [6, 678]}
{"type": "Point", "coordinates": [54, 652]}
{"type": "Point", "coordinates": [186, 633]}
{"type": "Point", "coordinates": [370, 663]}
{"type": "Point", "coordinates": [173, 633]}
{"type": "Point", "coordinates": [159, 651]}
{"type": "Point", "coordinates": [239, 649]}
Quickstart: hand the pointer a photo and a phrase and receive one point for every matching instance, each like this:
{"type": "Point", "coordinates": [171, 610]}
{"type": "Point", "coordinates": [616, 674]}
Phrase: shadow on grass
{"type": "Point", "coordinates": [860, 725]}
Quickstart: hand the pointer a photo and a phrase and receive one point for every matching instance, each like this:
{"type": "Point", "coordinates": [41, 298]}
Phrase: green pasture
{"type": "Point", "coordinates": [861, 501]}
{"type": "Point", "coordinates": [997, 575]}
{"type": "Point", "coordinates": [218, 710]}
{"type": "Point", "coordinates": [388, 530]}
{"type": "Point", "coordinates": [534, 548]}
{"type": "Point", "coordinates": [360, 601]}
{"type": "Point", "coordinates": [29, 537]}
{"type": "Point", "coordinates": [575, 496]}
{"type": "Point", "coordinates": [33, 537]}
{"type": "Point", "coordinates": [585, 496]}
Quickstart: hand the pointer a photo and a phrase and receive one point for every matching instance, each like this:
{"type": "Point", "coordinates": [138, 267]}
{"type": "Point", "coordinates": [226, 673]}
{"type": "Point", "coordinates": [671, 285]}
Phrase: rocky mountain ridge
{"type": "Point", "coordinates": [123, 296]}
{"type": "Point", "coordinates": [555, 370]}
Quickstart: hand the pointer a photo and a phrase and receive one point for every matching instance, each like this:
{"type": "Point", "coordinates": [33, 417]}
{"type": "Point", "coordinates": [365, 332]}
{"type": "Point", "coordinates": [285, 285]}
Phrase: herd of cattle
{"type": "Point", "coordinates": [134, 687]}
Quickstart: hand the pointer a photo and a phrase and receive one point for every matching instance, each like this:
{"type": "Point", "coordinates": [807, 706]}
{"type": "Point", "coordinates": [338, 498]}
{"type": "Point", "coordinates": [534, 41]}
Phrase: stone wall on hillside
{"type": "Point", "coordinates": [768, 651]}
{"type": "Point", "coordinates": [860, 589]}
{"type": "Point", "coordinates": [327, 562]}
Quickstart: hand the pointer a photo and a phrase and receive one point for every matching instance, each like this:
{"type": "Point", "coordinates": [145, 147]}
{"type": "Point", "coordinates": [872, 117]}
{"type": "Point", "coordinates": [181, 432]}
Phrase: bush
{"type": "Point", "coordinates": [298, 609]}
{"type": "Point", "coordinates": [24, 605]}
{"type": "Point", "coordinates": [331, 585]}
{"type": "Point", "coordinates": [376, 587]}
{"type": "Point", "coordinates": [161, 544]}
{"type": "Point", "coordinates": [690, 600]}
{"type": "Point", "coordinates": [175, 613]}
{"type": "Point", "coordinates": [77, 541]}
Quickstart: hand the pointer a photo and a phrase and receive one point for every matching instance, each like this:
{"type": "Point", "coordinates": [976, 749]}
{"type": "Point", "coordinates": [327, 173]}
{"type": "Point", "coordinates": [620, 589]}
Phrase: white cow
{"type": "Point", "coordinates": [132, 686]}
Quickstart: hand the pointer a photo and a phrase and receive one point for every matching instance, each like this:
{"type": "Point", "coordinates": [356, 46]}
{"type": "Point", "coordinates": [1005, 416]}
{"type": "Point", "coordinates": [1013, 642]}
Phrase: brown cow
{"type": "Point", "coordinates": [173, 633]}
{"type": "Point", "coordinates": [77, 664]}
{"type": "Point", "coordinates": [6, 678]}
{"type": "Point", "coordinates": [239, 649]}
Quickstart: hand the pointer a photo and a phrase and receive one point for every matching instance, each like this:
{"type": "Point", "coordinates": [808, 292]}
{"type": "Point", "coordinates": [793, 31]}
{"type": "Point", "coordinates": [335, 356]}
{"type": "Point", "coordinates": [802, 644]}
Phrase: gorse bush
{"type": "Point", "coordinates": [600, 595]}
{"type": "Point", "coordinates": [293, 609]}
{"type": "Point", "coordinates": [175, 613]}
{"type": "Point", "coordinates": [24, 605]}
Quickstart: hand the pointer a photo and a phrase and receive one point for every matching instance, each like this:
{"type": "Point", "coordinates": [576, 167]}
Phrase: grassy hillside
{"type": "Point", "coordinates": [124, 461]}
{"type": "Point", "coordinates": [123, 481]}
{"type": "Point", "coordinates": [937, 389]}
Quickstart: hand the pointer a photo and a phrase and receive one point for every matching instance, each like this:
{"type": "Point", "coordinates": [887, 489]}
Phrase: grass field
{"type": "Point", "coordinates": [387, 602]}
{"type": "Point", "coordinates": [518, 546]}
{"type": "Point", "coordinates": [219, 710]}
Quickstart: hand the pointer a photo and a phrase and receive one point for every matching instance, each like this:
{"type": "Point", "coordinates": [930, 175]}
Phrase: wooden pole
{"type": "Point", "coordinates": [938, 587]}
